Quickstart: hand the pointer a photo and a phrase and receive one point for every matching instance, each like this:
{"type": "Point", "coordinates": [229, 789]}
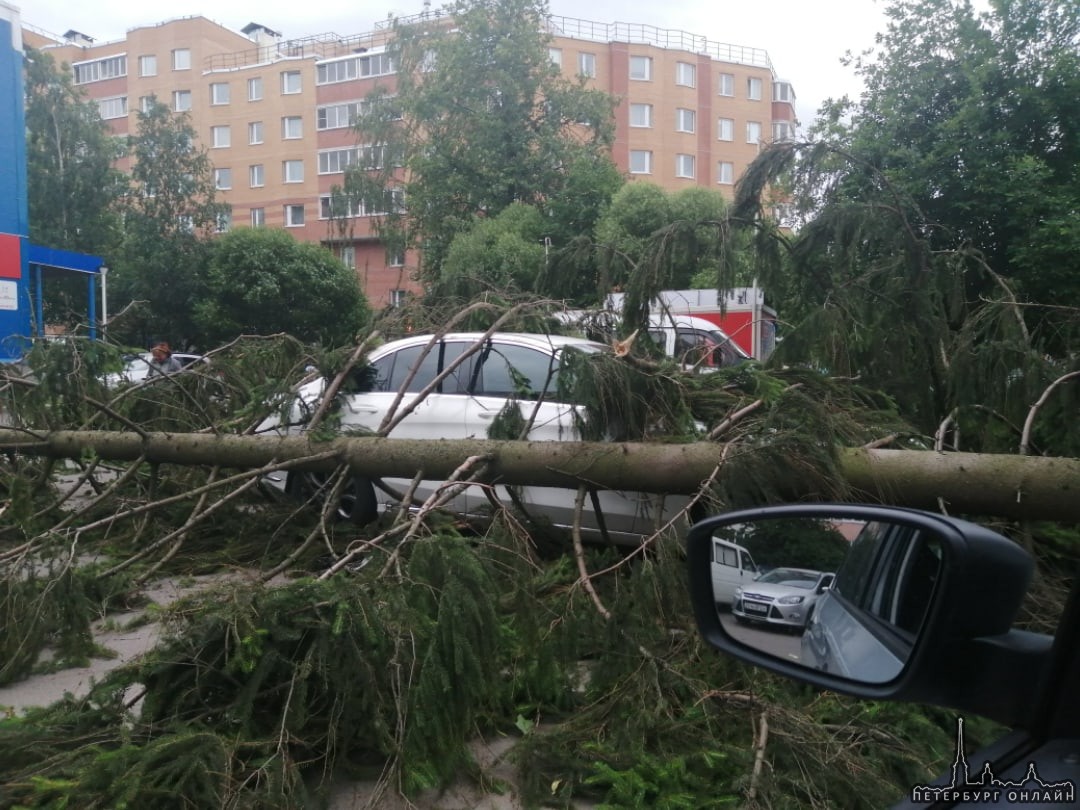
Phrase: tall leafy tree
{"type": "Point", "coordinates": [937, 260]}
{"type": "Point", "coordinates": [651, 240]}
{"type": "Point", "coordinates": [72, 185]}
{"type": "Point", "coordinates": [170, 213]}
{"type": "Point", "coordinates": [478, 119]}
{"type": "Point", "coordinates": [262, 281]}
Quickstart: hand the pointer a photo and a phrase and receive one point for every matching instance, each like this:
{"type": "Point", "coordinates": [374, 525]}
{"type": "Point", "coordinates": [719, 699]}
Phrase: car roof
{"type": "Point", "coordinates": [537, 341]}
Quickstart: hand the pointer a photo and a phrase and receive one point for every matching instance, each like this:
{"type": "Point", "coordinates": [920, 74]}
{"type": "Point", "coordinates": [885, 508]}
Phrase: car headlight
{"type": "Point", "coordinates": [738, 590]}
{"type": "Point", "coordinates": [791, 600]}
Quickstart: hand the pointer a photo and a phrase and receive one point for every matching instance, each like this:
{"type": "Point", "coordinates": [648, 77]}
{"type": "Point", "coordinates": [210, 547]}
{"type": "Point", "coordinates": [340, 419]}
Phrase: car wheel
{"type": "Point", "coordinates": [357, 503]}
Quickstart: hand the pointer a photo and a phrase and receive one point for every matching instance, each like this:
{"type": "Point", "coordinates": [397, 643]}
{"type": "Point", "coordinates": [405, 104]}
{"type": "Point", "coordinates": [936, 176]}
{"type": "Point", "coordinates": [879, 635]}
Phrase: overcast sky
{"type": "Point", "coordinates": [805, 40]}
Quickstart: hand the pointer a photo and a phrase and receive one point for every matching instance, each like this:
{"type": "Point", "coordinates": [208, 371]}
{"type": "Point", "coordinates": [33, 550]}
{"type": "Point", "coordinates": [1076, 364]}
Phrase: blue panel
{"type": "Point", "coordinates": [13, 201]}
{"type": "Point", "coordinates": [15, 303]}
{"type": "Point", "coordinates": [65, 259]}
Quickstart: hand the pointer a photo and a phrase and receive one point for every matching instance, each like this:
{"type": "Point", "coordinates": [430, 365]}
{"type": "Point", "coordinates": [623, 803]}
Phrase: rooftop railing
{"type": "Point", "coordinates": [330, 46]}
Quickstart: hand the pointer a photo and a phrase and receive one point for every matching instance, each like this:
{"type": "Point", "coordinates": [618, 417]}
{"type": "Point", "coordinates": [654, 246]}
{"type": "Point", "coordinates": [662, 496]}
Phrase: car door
{"type": "Point", "coordinates": [411, 369]}
{"type": "Point", "coordinates": [731, 566]}
{"type": "Point", "coordinates": [506, 371]}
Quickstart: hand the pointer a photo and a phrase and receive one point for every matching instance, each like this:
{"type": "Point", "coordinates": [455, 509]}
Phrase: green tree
{"type": "Point", "coordinates": [170, 214]}
{"type": "Point", "coordinates": [72, 185]}
{"type": "Point", "coordinates": [503, 253]}
{"type": "Point", "coordinates": [480, 119]}
{"type": "Point", "coordinates": [935, 260]}
{"type": "Point", "coordinates": [650, 240]}
{"type": "Point", "coordinates": [262, 281]}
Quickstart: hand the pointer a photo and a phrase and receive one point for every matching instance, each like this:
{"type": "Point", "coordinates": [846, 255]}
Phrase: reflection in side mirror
{"type": "Point", "coordinates": [836, 594]}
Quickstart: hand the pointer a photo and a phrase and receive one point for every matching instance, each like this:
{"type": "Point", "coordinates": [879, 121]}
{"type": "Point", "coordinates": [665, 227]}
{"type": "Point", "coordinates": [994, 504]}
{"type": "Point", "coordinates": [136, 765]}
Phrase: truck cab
{"type": "Point", "coordinates": [695, 342]}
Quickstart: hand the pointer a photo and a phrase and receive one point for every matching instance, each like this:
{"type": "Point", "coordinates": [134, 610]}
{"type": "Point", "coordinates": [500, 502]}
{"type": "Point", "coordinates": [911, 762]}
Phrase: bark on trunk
{"type": "Point", "coordinates": [1004, 485]}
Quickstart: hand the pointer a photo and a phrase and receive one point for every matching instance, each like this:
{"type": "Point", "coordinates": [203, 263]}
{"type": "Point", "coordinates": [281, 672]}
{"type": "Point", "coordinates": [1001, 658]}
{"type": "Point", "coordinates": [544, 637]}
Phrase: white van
{"type": "Point", "coordinates": [695, 342]}
{"type": "Point", "coordinates": [732, 566]}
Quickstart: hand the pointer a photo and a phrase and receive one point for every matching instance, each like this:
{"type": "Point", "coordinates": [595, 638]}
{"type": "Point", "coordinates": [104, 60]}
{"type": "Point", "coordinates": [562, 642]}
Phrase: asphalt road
{"type": "Point", "coordinates": [780, 642]}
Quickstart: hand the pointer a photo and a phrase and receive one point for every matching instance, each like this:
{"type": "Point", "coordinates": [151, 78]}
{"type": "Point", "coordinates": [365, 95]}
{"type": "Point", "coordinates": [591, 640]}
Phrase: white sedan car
{"type": "Point", "coordinates": [463, 406]}
{"type": "Point", "coordinates": [783, 597]}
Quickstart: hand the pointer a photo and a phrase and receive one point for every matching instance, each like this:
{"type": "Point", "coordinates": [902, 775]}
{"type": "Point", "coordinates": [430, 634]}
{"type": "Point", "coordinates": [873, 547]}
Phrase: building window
{"type": "Point", "coordinates": [783, 131]}
{"type": "Point", "coordinates": [333, 161]}
{"type": "Point", "coordinates": [725, 129]}
{"type": "Point", "coordinates": [395, 257]}
{"type": "Point", "coordinates": [397, 298]}
{"type": "Point", "coordinates": [292, 171]}
{"type": "Point", "coordinates": [255, 90]}
{"type": "Point", "coordinates": [685, 120]}
{"type": "Point", "coordinates": [292, 126]}
{"type": "Point", "coordinates": [222, 179]}
{"type": "Point", "coordinates": [640, 161]}
{"type": "Point", "coordinates": [258, 217]}
{"type": "Point", "coordinates": [338, 116]}
{"type": "Point", "coordinates": [359, 67]}
{"type": "Point", "coordinates": [726, 84]}
{"type": "Point", "coordinates": [182, 100]}
{"type": "Point", "coordinates": [725, 173]}
{"type": "Point", "coordinates": [753, 88]}
{"type": "Point", "coordinates": [146, 103]}
{"type": "Point", "coordinates": [224, 222]}
{"type": "Point", "coordinates": [641, 68]}
{"type": "Point", "coordinates": [339, 207]}
{"type": "Point", "coordinates": [685, 74]}
{"type": "Point", "coordinates": [782, 91]}
{"type": "Point", "coordinates": [555, 55]}
{"type": "Point", "coordinates": [586, 65]}
{"type": "Point", "coordinates": [256, 176]}
{"type": "Point", "coordinates": [753, 132]}
{"type": "Point", "coordinates": [181, 59]}
{"type": "Point", "coordinates": [294, 215]}
{"type": "Point", "coordinates": [290, 82]}
{"type": "Point", "coordinates": [219, 93]}
{"type": "Point", "coordinates": [255, 132]}
{"type": "Point", "coordinates": [148, 65]}
{"type": "Point", "coordinates": [684, 166]}
{"type": "Point", "coordinates": [348, 256]}
{"type": "Point", "coordinates": [111, 67]}
{"type": "Point", "coordinates": [641, 115]}
{"type": "Point", "coordinates": [220, 137]}
{"type": "Point", "coordinates": [113, 107]}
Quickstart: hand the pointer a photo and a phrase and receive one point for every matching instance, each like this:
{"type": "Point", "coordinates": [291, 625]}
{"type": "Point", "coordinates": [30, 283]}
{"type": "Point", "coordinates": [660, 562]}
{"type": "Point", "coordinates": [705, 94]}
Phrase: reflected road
{"type": "Point", "coordinates": [778, 642]}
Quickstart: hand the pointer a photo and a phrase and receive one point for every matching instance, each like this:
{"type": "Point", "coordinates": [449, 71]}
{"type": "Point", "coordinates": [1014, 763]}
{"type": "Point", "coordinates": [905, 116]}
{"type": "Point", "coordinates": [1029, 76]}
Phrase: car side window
{"type": "Point", "coordinates": [725, 555]}
{"type": "Point", "coordinates": [853, 578]}
{"type": "Point", "coordinates": [457, 381]}
{"type": "Point", "coordinates": [394, 369]}
{"type": "Point", "coordinates": [748, 562]}
{"type": "Point", "coordinates": [515, 371]}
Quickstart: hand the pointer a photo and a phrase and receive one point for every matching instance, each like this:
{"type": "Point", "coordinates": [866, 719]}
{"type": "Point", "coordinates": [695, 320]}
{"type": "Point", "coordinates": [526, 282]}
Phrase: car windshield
{"type": "Point", "coordinates": [790, 577]}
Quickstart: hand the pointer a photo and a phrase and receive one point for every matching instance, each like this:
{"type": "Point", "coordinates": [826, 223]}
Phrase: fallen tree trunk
{"type": "Point", "coordinates": [975, 483]}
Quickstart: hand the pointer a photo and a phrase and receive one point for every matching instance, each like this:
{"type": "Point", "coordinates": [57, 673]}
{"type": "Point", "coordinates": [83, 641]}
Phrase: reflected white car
{"type": "Point", "coordinates": [463, 406]}
{"type": "Point", "coordinates": [783, 596]}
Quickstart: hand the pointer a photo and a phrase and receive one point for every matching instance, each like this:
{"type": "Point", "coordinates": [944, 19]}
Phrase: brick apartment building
{"type": "Point", "coordinates": [274, 113]}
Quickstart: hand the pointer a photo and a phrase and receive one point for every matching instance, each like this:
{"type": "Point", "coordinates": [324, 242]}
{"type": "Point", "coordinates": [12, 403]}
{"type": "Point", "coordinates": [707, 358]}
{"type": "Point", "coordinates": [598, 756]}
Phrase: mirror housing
{"type": "Point", "coordinates": [966, 656]}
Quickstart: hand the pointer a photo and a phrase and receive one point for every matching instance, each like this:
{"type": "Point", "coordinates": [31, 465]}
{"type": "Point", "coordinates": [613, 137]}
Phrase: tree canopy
{"type": "Point", "coordinates": [72, 187]}
{"type": "Point", "coordinates": [934, 260]}
{"type": "Point", "coordinates": [479, 119]}
{"type": "Point", "coordinates": [170, 213]}
{"type": "Point", "coordinates": [261, 281]}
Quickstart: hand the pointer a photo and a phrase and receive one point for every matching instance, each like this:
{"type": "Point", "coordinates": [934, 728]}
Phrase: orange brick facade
{"type": "Point", "coordinates": [273, 113]}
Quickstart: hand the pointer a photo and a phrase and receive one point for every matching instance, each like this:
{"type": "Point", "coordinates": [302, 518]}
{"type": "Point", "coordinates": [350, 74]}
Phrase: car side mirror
{"type": "Point", "coordinates": [873, 601]}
